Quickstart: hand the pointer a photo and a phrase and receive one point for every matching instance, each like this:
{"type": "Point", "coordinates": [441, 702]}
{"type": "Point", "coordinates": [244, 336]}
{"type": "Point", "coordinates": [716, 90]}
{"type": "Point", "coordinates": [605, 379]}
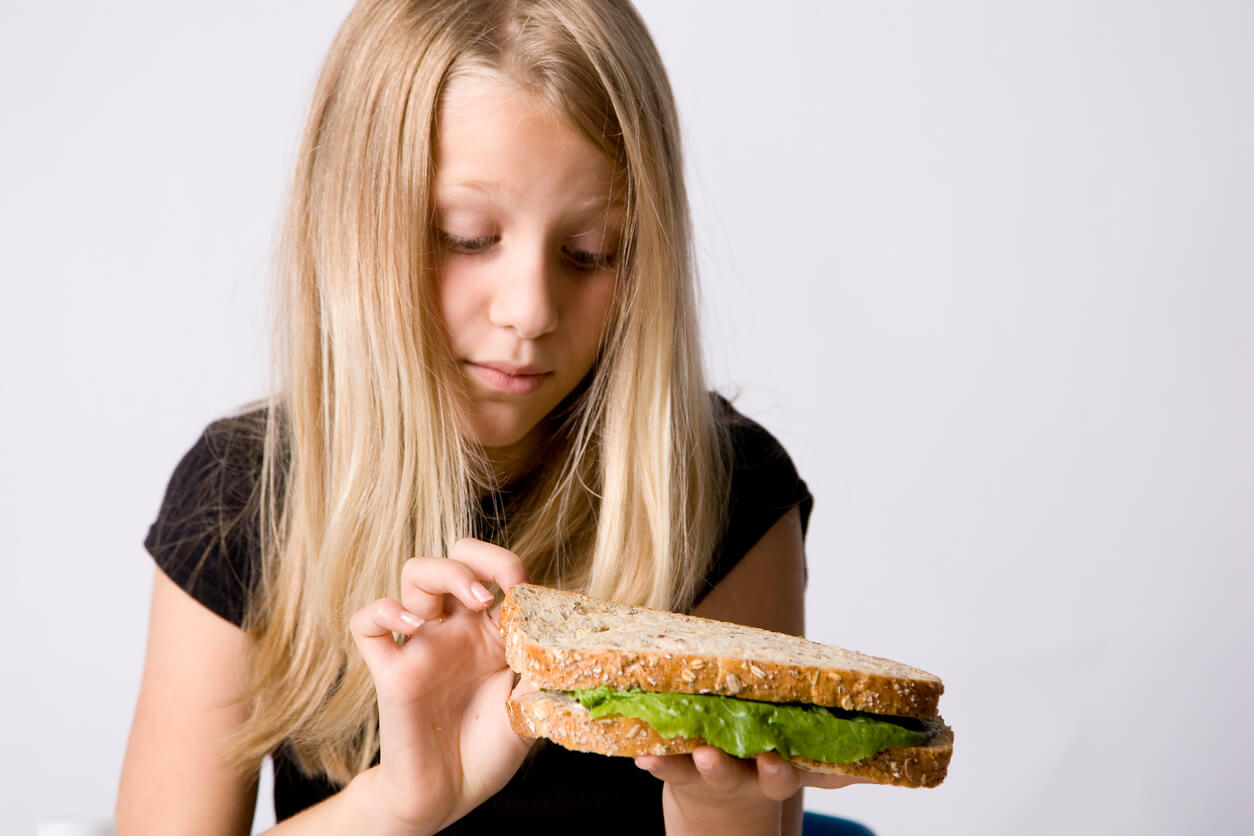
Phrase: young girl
{"type": "Point", "coordinates": [488, 357]}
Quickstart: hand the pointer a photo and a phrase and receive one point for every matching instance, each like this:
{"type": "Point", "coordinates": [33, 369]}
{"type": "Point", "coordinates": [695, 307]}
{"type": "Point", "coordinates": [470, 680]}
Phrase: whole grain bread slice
{"type": "Point", "coordinates": [565, 641]}
{"type": "Point", "coordinates": [565, 721]}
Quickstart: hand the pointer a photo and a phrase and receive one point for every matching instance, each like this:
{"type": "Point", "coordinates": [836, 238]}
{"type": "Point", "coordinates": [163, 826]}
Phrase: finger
{"type": "Point", "coordinates": [721, 771]}
{"type": "Point", "coordinates": [490, 562]}
{"type": "Point", "coordinates": [777, 779]}
{"type": "Point", "coordinates": [523, 688]}
{"type": "Point", "coordinates": [827, 781]}
{"type": "Point", "coordinates": [673, 769]}
{"type": "Point", "coordinates": [373, 627]}
{"type": "Point", "coordinates": [425, 581]}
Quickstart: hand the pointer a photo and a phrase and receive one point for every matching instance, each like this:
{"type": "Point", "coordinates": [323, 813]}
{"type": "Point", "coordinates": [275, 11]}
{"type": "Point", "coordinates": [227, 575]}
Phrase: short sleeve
{"type": "Point", "coordinates": [763, 485]}
{"type": "Point", "coordinates": [206, 534]}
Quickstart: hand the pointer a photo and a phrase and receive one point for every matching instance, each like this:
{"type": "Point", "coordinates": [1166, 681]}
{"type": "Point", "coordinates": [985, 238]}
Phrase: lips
{"type": "Point", "coordinates": [507, 378]}
{"type": "Point", "coordinates": [513, 370]}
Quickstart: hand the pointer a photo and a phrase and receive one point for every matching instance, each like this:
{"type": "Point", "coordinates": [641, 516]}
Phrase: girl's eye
{"type": "Point", "coordinates": [579, 259]}
{"type": "Point", "coordinates": [584, 260]}
{"type": "Point", "coordinates": [467, 245]}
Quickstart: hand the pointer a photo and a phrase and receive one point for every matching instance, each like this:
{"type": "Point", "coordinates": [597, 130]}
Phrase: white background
{"type": "Point", "coordinates": [986, 268]}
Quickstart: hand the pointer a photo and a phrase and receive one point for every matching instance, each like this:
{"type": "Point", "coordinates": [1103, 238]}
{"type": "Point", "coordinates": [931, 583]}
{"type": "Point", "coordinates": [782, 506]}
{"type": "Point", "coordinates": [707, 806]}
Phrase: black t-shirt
{"type": "Point", "coordinates": [205, 538]}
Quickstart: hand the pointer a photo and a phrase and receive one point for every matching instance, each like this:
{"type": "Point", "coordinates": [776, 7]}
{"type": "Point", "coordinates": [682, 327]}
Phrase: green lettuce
{"type": "Point", "coordinates": [745, 728]}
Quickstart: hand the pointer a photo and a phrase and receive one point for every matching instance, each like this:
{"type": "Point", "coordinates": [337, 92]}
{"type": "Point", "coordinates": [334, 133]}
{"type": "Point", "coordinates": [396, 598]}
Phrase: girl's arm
{"type": "Point", "coordinates": [446, 742]}
{"type": "Point", "coordinates": [190, 700]}
{"type": "Point", "coordinates": [709, 791]}
{"type": "Point", "coordinates": [767, 587]}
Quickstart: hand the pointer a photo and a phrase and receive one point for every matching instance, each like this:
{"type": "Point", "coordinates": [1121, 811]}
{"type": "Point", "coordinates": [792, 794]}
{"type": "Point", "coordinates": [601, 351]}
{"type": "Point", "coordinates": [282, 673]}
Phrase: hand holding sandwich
{"type": "Point", "coordinates": [446, 743]}
{"type": "Point", "coordinates": [710, 789]}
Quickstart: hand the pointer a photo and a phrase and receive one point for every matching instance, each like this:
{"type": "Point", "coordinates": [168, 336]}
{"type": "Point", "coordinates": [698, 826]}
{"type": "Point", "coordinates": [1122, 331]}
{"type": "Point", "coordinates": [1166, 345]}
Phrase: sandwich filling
{"type": "Point", "coordinates": [745, 728]}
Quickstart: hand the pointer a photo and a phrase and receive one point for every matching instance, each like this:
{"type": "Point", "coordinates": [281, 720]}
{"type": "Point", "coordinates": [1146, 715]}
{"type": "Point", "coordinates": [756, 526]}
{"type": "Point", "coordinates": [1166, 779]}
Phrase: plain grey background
{"type": "Point", "coordinates": [986, 268]}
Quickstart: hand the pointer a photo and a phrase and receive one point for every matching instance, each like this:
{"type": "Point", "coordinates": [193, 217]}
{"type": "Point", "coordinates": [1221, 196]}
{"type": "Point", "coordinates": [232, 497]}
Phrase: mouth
{"type": "Point", "coordinates": [510, 380]}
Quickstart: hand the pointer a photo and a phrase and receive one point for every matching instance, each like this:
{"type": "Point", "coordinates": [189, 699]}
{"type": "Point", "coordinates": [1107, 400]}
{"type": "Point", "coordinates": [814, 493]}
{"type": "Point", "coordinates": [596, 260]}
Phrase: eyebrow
{"type": "Point", "coordinates": [490, 187]}
{"type": "Point", "coordinates": [474, 185]}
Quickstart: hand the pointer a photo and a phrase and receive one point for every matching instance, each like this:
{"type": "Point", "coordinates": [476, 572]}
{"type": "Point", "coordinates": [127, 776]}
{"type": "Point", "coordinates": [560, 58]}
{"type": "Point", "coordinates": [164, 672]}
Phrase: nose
{"type": "Point", "coordinates": [523, 299]}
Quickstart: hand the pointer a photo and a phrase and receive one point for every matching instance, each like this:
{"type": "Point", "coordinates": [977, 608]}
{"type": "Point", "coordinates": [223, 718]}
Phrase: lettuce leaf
{"type": "Point", "coordinates": [745, 728]}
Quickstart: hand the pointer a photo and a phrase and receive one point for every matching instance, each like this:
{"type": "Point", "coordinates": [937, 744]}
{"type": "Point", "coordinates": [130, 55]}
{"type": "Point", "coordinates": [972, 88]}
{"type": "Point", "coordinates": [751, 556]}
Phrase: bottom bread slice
{"type": "Point", "coordinates": [566, 722]}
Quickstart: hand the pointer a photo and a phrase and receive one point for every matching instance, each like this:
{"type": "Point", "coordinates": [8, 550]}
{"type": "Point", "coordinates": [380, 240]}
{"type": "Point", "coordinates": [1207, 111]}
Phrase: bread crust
{"type": "Point", "coordinates": [565, 721]}
{"type": "Point", "coordinates": [854, 681]}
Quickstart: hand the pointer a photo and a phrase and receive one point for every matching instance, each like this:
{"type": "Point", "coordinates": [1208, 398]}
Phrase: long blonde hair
{"type": "Point", "coordinates": [364, 466]}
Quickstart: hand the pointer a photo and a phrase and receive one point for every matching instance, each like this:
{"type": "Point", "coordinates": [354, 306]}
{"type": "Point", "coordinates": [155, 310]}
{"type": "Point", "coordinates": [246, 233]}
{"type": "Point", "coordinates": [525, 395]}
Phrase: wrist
{"type": "Point", "coordinates": [372, 810]}
{"type": "Point", "coordinates": [363, 806]}
{"type": "Point", "coordinates": [727, 816]}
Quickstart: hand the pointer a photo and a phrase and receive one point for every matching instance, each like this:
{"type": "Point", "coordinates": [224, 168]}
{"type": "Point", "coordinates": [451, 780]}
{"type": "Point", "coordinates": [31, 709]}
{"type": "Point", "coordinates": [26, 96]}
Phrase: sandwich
{"type": "Point", "coordinates": [629, 680]}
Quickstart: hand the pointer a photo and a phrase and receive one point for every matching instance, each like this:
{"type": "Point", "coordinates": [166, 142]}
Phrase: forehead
{"type": "Point", "coordinates": [495, 139]}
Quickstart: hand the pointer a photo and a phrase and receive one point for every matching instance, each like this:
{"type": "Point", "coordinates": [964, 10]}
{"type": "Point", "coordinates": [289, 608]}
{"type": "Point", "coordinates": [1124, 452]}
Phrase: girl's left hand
{"type": "Point", "coordinates": [710, 791]}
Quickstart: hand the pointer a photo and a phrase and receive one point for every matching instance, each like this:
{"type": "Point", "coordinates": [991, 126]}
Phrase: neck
{"type": "Point", "coordinates": [511, 463]}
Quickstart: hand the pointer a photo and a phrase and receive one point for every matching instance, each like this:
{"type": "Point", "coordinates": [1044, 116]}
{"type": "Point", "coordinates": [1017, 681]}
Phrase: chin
{"type": "Point", "coordinates": [500, 432]}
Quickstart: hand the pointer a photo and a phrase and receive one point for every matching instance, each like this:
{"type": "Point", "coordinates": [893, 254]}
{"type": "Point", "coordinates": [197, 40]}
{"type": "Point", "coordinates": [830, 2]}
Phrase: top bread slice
{"type": "Point", "coordinates": [564, 641]}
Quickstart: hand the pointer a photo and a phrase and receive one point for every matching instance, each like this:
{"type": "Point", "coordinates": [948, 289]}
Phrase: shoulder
{"type": "Point", "coordinates": [220, 470]}
{"type": "Point", "coordinates": [234, 444]}
{"type": "Point", "coordinates": [761, 473]}
{"type": "Point", "coordinates": [751, 444]}
{"type": "Point", "coordinates": [763, 485]}
{"type": "Point", "coordinates": [206, 533]}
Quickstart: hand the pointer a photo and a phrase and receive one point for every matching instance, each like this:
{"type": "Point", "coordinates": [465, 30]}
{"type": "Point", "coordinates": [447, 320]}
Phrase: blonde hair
{"type": "Point", "coordinates": [364, 465]}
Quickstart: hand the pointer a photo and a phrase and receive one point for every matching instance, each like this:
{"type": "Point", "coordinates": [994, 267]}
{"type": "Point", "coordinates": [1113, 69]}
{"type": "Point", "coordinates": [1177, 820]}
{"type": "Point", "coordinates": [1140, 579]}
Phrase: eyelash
{"type": "Point", "coordinates": [468, 246]}
{"type": "Point", "coordinates": [579, 259]}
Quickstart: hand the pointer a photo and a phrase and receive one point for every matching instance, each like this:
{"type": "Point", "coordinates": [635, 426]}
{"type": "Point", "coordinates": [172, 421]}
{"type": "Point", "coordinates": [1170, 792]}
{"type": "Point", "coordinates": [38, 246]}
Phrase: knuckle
{"type": "Point", "coordinates": [465, 548]}
{"type": "Point", "coordinates": [408, 568]}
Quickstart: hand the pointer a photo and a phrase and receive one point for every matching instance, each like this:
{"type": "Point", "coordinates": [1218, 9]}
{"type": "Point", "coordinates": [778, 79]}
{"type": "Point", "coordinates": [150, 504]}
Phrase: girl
{"type": "Point", "coordinates": [488, 355]}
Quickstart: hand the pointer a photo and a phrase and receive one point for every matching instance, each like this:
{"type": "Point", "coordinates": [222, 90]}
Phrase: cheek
{"type": "Point", "coordinates": [596, 309]}
{"type": "Point", "coordinates": [455, 297]}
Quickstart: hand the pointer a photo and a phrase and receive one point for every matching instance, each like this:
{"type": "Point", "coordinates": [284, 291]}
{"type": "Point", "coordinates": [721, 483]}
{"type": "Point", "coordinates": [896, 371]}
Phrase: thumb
{"type": "Point", "coordinates": [523, 688]}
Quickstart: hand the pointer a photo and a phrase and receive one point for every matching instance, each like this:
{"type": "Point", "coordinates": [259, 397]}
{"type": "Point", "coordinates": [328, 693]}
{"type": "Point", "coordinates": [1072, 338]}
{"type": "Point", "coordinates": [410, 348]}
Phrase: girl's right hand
{"type": "Point", "coordinates": [446, 743]}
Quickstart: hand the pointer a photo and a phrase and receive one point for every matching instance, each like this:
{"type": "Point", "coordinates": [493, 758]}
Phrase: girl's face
{"type": "Point", "coordinates": [528, 237]}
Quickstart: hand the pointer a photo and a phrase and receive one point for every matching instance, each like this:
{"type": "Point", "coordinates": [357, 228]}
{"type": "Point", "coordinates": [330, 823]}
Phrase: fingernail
{"type": "Point", "coordinates": [481, 592]}
{"type": "Point", "coordinates": [411, 619]}
{"type": "Point", "coordinates": [645, 762]}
